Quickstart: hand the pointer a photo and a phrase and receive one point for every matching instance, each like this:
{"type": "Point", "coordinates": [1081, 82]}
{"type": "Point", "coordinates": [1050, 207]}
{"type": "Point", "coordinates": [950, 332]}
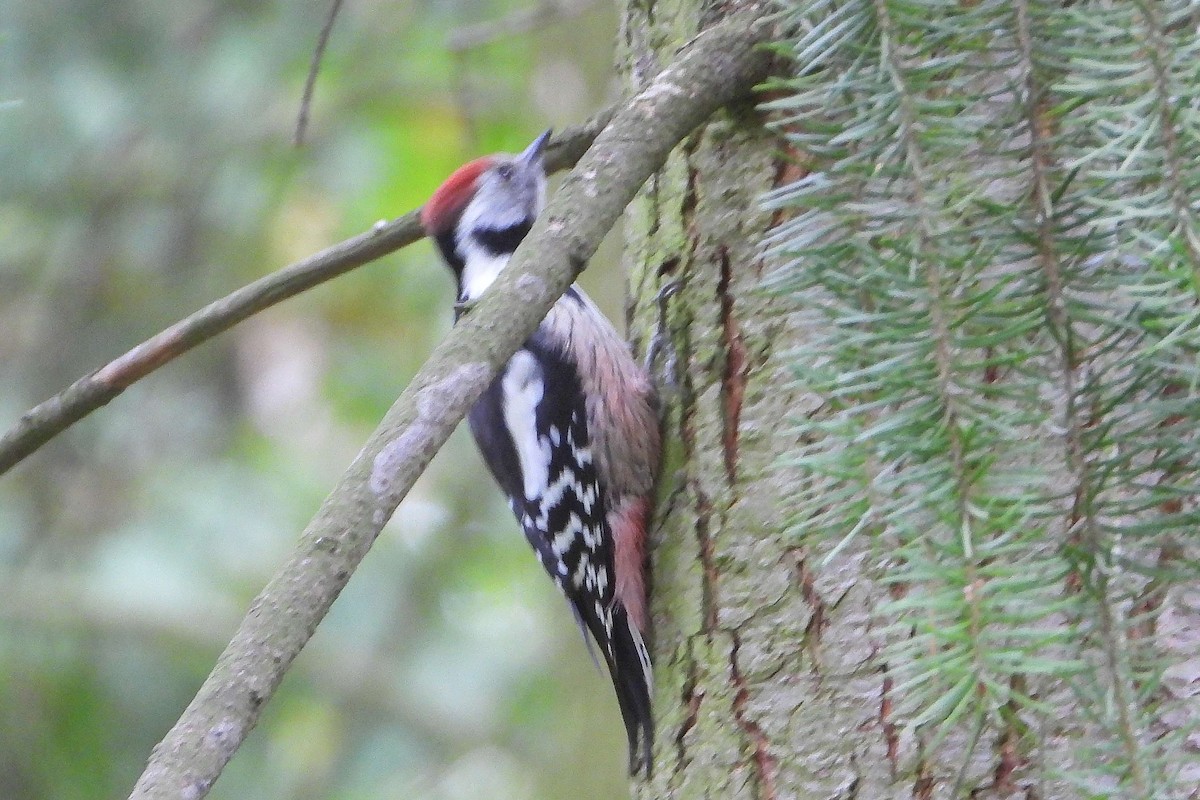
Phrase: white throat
{"type": "Point", "coordinates": [481, 268]}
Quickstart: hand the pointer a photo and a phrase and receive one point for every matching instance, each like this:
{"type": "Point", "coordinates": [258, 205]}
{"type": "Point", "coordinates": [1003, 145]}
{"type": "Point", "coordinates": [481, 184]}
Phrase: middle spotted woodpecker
{"type": "Point", "coordinates": [569, 428]}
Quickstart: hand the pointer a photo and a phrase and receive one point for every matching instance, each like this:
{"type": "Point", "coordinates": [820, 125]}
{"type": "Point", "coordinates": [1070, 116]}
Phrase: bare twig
{"type": "Point", "coordinates": [715, 68]}
{"type": "Point", "coordinates": [522, 21]}
{"type": "Point", "coordinates": [310, 82]}
{"type": "Point", "coordinates": [50, 418]}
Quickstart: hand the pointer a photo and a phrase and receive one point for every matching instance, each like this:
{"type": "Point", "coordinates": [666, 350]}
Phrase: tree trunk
{"type": "Point", "coordinates": [768, 685]}
{"type": "Point", "coordinates": [744, 628]}
{"type": "Point", "coordinates": [771, 680]}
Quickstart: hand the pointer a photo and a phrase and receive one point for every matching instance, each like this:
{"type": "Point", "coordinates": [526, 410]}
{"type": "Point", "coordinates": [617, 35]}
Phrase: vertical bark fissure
{"type": "Point", "coordinates": [688, 412]}
{"type": "Point", "coordinates": [691, 696]}
{"type": "Point", "coordinates": [819, 610]}
{"type": "Point", "coordinates": [890, 735]}
{"type": "Point", "coordinates": [733, 380]}
{"type": "Point", "coordinates": [764, 762]}
{"type": "Point", "coordinates": [924, 783]}
{"type": "Point", "coordinates": [708, 596]}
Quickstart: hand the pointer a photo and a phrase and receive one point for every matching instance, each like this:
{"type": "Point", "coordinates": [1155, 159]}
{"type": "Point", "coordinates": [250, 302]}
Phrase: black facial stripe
{"type": "Point", "coordinates": [501, 241]}
{"type": "Point", "coordinates": [446, 244]}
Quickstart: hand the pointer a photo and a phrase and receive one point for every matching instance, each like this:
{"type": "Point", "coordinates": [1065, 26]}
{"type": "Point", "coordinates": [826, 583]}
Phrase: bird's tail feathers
{"type": "Point", "coordinates": [629, 666]}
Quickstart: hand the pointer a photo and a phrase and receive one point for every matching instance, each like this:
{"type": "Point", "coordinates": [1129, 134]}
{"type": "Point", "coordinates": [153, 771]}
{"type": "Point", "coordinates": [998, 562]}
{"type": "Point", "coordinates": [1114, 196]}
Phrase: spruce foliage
{"type": "Point", "coordinates": [995, 252]}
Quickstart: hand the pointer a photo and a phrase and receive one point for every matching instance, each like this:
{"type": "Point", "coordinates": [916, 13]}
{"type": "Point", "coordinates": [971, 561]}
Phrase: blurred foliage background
{"type": "Point", "coordinates": [146, 168]}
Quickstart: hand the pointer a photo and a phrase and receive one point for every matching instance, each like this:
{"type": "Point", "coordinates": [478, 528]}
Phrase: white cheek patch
{"type": "Point", "coordinates": [498, 205]}
{"type": "Point", "coordinates": [481, 267]}
{"type": "Point", "coordinates": [523, 390]}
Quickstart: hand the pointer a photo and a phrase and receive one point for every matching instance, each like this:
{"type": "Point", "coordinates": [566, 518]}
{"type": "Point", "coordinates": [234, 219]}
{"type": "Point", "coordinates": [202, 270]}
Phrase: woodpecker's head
{"type": "Point", "coordinates": [483, 211]}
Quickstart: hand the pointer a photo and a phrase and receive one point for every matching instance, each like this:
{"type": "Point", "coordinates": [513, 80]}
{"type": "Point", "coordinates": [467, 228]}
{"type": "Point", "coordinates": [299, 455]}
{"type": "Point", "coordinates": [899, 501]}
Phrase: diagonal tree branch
{"type": "Point", "coordinates": [50, 418]}
{"type": "Point", "coordinates": [715, 68]}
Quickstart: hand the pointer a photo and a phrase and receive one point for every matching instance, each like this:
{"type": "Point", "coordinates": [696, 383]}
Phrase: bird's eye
{"type": "Point", "coordinates": [505, 171]}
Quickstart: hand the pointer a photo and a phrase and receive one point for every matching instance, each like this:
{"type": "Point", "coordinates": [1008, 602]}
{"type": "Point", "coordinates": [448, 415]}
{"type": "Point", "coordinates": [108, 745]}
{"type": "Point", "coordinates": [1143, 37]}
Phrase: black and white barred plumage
{"type": "Point", "coordinates": [533, 416]}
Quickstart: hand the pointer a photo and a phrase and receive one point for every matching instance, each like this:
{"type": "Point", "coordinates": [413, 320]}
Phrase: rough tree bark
{"type": "Point", "coordinates": [769, 676]}
{"type": "Point", "coordinates": [766, 682]}
{"type": "Point", "coordinates": [739, 617]}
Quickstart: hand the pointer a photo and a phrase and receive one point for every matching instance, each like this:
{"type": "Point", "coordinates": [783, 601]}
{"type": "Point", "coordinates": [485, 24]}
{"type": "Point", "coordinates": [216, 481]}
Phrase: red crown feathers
{"type": "Point", "coordinates": [443, 209]}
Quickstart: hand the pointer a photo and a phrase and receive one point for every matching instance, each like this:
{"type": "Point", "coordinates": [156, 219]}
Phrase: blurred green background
{"type": "Point", "coordinates": [146, 168]}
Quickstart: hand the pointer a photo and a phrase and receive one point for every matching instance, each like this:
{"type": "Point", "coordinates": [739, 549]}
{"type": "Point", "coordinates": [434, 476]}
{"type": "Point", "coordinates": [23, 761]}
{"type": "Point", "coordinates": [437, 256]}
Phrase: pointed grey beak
{"type": "Point", "coordinates": [534, 151]}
